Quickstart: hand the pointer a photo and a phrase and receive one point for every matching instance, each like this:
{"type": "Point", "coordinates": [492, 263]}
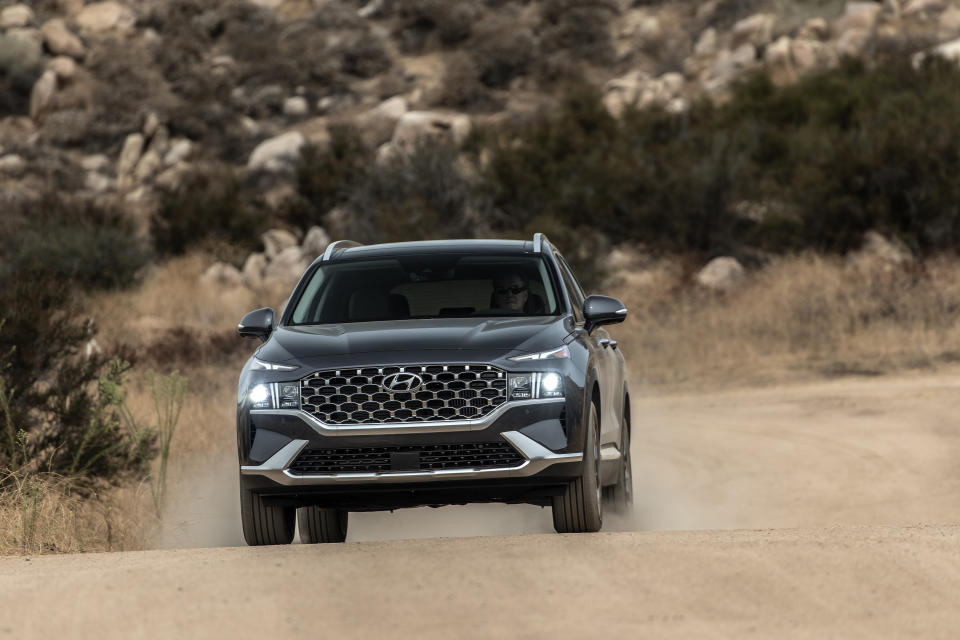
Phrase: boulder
{"type": "Point", "coordinates": [150, 162]}
{"type": "Point", "coordinates": [914, 7]}
{"type": "Point", "coordinates": [296, 107]}
{"type": "Point", "coordinates": [99, 163]}
{"type": "Point", "coordinates": [43, 95]}
{"type": "Point", "coordinates": [729, 66]}
{"type": "Point", "coordinates": [756, 30]}
{"type": "Point", "coordinates": [706, 46]}
{"type": "Point", "coordinates": [12, 165]}
{"type": "Point", "coordinates": [812, 55]}
{"type": "Point", "coordinates": [814, 29]}
{"type": "Point", "coordinates": [949, 24]}
{"type": "Point", "coordinates": [253, 270]}
{"type": "Point", "coordinates": [267, 4]}
{"type": "Point", "coordinates": [315, 243]}
{"type": "Point", "coordinates": [60, 41]}
{"type": "Point", "coordinates": [877, 250]}
{"type": "Point", "coordinates": [222, 274]}
{"type": "Point", "coordinates": [16, 16]}
{"type": "Point", "coordinates": [277, 154]}
{"type": "Point", "coordinates": [103, 17]}
{"type": "Point", "coordinates": [947, 51]}
{"type": "Point", "coordinates": [97, 182]}
{"type": "Point", "coordinates": [858, 16]}
{"type": "Point", "coordinates": [172, 178]}
{"type": "Point", "coordinates": [286, 268]}
{"type": "Point", "coordinates": [275, 241]}
{"type": "Point", "coordinates": [180, 149]}
{"type": "Point", "coordinates": [64, 67]}
{"type": "Point", "coordinates": [378, 124]}
{"type": "Point", "coordinates": [852, 42]}
{"type": "Point", "coordinates": [130, 154]}
{"type": "Point", "coordinates": [151, 124]}
{"type": "Point", "coordinates": [779, 62]}
{"type": "Point", "coordinates": [721, 274]}
{"type": "Point", "coordinates": [416, 128]}
{"type": "Point", "coordinates": [623, 92]}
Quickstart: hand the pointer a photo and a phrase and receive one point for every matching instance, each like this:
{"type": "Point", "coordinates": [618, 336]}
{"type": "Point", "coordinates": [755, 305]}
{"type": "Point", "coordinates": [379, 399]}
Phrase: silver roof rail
{"type": "Point", "coordinates": [539, 239]}
{"type": "Point", "coordinates": [336, 246]}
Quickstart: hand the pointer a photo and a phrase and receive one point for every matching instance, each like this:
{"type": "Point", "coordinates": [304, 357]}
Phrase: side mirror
{"type": "Point", "coordinates": [598, 310]}
{"type": "Point", "coordinates": [257, 324]}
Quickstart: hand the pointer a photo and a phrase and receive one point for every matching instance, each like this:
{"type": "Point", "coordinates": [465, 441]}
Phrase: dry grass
{"type": "Point", "coordinates": [44, 514]}
{"type": "Point", "coordinates": [799, 318]}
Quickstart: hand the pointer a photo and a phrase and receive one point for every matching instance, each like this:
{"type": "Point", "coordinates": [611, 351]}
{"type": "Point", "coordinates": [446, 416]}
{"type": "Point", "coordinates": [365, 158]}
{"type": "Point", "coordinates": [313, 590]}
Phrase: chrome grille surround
{"type": "Point", "coordinates": [450, 392]}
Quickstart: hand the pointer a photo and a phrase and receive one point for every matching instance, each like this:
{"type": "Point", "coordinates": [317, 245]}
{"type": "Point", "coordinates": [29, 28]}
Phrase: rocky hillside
{"type": "Point", "coordinates": [119, 103]}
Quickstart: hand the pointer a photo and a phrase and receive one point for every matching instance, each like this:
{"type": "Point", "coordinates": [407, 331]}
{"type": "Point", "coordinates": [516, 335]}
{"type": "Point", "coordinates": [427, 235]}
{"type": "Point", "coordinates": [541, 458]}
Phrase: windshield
{"type": "Point", "coordinates": [433, 286]}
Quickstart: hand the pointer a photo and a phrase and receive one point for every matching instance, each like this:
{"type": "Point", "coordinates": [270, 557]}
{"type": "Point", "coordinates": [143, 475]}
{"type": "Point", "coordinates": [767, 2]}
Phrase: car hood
{"type": "Point", "coordinates": [446, 334]}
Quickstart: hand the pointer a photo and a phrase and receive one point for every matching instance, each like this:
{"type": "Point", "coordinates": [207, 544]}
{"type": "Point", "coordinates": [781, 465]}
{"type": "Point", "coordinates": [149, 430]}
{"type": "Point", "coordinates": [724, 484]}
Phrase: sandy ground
{"type": "Point", "coordinates": [822, 510]}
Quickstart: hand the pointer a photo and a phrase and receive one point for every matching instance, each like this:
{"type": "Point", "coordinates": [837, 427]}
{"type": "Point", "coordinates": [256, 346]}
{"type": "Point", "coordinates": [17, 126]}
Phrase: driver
{"type": "Point", "coordinates": [510, 291]}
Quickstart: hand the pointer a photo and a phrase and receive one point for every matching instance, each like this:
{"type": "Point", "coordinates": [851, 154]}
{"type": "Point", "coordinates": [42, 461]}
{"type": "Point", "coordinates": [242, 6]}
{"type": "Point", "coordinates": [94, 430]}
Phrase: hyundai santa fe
{"type": "Point", "coordinates": [432, 373]}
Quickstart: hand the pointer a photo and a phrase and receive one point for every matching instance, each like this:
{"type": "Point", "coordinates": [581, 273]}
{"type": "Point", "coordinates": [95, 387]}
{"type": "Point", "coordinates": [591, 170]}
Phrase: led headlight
{"type": "Point", "coordinates": [526, 386]}
{"type": "Point", "coordinates": [274, 395]}
{"type": "Point", "coordinates": [550, 385]}
{"type": "Point", "coordinates": [260, 397]}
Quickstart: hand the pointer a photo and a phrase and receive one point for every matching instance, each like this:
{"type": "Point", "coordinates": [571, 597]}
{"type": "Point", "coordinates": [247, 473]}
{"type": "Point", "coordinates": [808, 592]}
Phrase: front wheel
{"type": "Point", "coordinates": [265, 523]}
{"type": "Point", "coordinates": [322, 525]}
{"type": "Point", "coordinates": [580, 509]}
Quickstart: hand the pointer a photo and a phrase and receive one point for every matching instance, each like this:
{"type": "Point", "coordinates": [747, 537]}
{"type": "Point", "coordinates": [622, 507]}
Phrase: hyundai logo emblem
{"type": "Point", "coordinates": [403, 382]}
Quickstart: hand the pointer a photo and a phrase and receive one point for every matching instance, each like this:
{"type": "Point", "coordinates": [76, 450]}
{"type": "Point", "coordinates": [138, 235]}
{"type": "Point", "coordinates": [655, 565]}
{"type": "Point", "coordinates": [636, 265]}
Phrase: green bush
{"type": "Point", "coordinates": [211, 206]}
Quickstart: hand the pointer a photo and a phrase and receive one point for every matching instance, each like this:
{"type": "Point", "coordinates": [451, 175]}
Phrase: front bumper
{"type": "Point", "coordinates": [539, 430]}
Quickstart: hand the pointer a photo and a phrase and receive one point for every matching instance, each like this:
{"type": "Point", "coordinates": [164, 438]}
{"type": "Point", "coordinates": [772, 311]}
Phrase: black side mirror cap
{"type": "Point", "coordinates": [257, 324]}
{"type": "Point", "coordinates": [598, 310]}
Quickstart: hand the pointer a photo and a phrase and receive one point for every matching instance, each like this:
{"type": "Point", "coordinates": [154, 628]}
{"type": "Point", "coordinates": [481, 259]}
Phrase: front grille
{"type": "Point", "coordinates": [448, 392]}
{"type": "Point", "coordinates": [477, 455]}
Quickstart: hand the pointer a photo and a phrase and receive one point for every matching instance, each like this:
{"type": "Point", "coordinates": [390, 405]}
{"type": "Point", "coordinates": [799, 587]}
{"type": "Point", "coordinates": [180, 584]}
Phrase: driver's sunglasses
{"type": "Point", "coordinates": [505, 290]}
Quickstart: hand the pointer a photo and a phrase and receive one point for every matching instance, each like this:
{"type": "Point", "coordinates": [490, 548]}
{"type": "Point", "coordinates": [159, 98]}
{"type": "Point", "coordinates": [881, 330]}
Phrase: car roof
{"type": "Point", "coordinates": [433, 246]}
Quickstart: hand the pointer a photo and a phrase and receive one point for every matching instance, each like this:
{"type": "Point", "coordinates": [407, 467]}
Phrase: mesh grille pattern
{"type": "Point", "coordinates": [447, 392]}
{"type": "Point", "coordinates": [431, 457]}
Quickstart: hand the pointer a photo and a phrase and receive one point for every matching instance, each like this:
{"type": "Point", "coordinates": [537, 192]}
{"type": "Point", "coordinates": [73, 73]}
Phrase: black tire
{"type": "Point", "coordinates": [619, 497]}
{"type": "Point", "coordinates": [580, 508]}
{"type": "Point", "coordinates": [263, 523]}
{"type": "Point", "coordinates": [322, 525]}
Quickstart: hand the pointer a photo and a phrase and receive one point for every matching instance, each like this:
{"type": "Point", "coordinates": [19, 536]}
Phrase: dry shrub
{"type": "Point", "coordinates": [43, 514]}
{"type": "Point", "coordinates": [801, 317]}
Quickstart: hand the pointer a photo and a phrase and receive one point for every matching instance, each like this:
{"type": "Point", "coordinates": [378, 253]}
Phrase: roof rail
{"type": "Point", "coordinates": [336, 246]}
{"type": "Point", "coordinates": [539, 239]}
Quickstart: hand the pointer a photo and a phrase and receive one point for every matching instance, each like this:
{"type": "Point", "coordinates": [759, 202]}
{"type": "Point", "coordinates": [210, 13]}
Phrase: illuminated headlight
{"type": "Point", "coordinates": [282, 395]}
{"type": "Point", "coordinates": [527, 386]}
{"type": "Point", "coordinates": [260, 397]}
{"type": "Point", "coordinates": [550, 385]}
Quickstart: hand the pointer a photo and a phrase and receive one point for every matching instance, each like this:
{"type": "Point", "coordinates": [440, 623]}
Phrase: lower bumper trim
{"type": "Point", "coordinates": [537, 458]}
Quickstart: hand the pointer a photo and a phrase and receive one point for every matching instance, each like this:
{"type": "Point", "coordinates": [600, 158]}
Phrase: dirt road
{"type": "Point", "coordinates": [823, 510]}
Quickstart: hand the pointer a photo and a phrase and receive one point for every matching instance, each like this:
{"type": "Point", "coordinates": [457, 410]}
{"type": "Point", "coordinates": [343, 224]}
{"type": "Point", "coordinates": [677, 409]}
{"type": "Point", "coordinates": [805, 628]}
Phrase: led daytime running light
{"type": "Point", "coordinates": [559, 352]}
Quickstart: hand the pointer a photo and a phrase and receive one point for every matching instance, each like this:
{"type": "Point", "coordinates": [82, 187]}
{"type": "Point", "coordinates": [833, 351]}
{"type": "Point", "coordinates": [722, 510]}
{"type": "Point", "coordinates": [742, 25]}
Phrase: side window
{"type": "Point", "coordinates": [573, 289]}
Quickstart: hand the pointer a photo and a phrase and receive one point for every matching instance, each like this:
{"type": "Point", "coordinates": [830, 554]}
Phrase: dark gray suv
{"type": "Point", "coordinates": [432, 373]}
